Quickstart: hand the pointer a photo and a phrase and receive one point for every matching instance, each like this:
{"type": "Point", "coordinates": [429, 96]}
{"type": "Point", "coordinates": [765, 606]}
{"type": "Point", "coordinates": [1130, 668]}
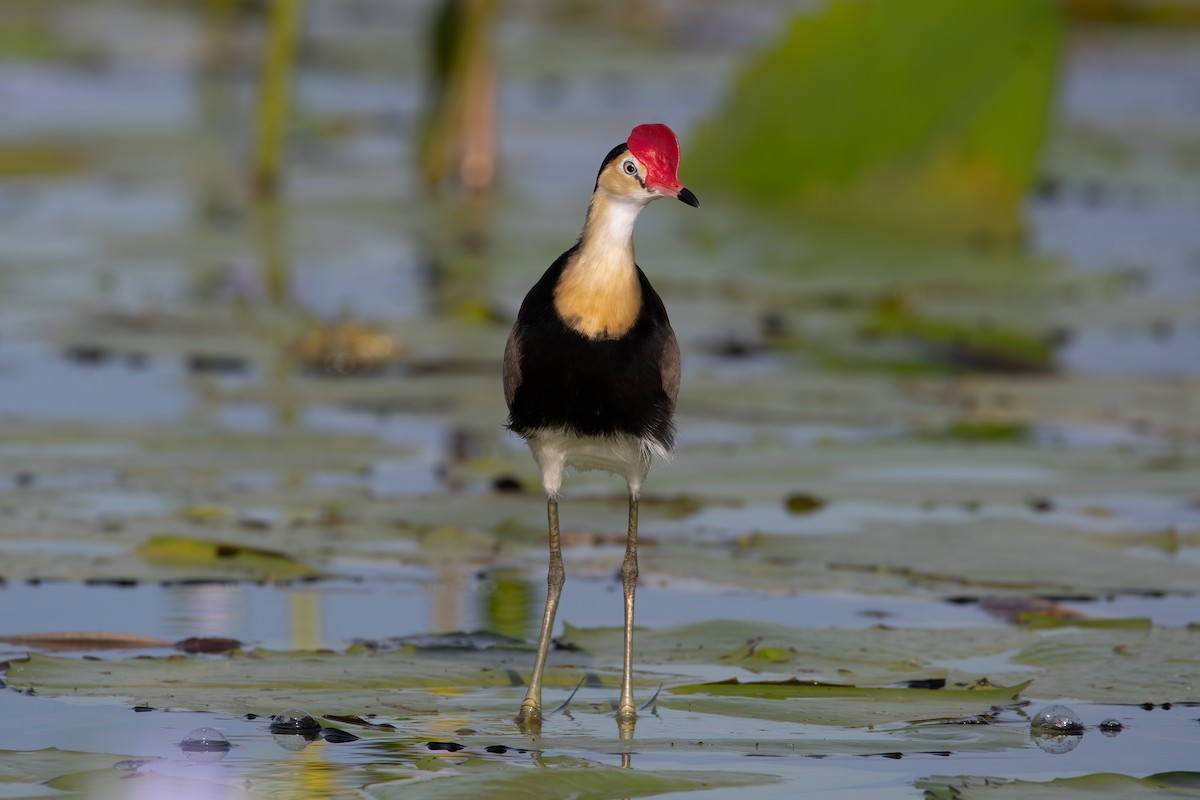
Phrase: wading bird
{"type": "Point", "coordinates": [591, 368]}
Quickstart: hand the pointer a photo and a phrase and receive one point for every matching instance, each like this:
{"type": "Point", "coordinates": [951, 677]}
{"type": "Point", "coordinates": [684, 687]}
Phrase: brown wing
{"type": "Point", "coordinates": [670, 367]}
{"type": "Point", "coordinates": [512, 367]}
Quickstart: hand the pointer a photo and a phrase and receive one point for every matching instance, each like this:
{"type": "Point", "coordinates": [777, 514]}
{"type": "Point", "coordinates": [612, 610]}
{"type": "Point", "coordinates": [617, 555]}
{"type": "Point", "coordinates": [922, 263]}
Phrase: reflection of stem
{"type": "Point", "coordinates": [444, 597]}
{"type": "Point", "coordinates": [275, 264]}
{"type": "Point", "coordinates": [305, 619]}
{"type": "Point", "coordinates": [459, 262]}
{"type": "Point", "coordinates": [219, 19]}
{"type": "Point", "coordinates": [476, 168]}
{"type": "Point", "coordinates": [287, 408]}
{"type": "Point", "coordinates": [270, 223]}
{"type": "Point", "coordinates": [1180, 431]}
{"type": "Point", "coordinates": [459, 119]}
{"type": "Point", "coordinates": [509, 606]}
{"type": "Point", "coordinates": [274, 97]}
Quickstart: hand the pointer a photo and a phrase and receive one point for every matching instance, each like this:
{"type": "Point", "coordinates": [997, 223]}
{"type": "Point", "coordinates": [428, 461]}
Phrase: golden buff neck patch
{"type": "Point", "coordinates": [598, 293]}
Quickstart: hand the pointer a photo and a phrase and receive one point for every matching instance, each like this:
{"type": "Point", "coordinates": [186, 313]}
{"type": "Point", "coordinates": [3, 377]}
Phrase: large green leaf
{"type": "Point", "coordinates": [925, 112]}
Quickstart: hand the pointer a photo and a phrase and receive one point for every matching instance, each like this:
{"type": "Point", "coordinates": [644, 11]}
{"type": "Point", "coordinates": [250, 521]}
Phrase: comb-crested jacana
{"type": "Point", "coordinates": [591, 368]}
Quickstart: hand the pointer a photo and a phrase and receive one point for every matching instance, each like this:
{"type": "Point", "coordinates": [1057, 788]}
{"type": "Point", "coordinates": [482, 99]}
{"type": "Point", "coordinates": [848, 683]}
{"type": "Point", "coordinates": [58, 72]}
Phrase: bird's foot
{"type": "Point", "coordinates": [626, 720]}
{"type": "Point", "coordinates": [529, 719]}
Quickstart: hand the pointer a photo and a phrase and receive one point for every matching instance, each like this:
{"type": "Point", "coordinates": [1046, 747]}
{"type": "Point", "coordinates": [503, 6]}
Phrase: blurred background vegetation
{"type": "Point", "coordinates": [939, 314]}
{"type": "Point", "coordinates": [960, 220]}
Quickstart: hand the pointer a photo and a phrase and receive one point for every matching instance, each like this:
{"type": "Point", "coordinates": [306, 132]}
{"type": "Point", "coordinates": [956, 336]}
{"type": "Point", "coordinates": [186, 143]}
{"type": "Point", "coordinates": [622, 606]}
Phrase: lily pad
{"type": "Point", "coordinates": [1117, 665]}
{"type": "Point", "coordinates": [864, 656]}
{"type": "Point", "coordinates": [1163, 786]}
{"type": "Point", "coordinates": [39, 766]}
{"type": "Point", "coordinates": [792, 688]}
{"type": "Point", "coordinates": [258, 563]}
{"type": "Point", "coordinates": [559, 777]}
{"type": "Point", "coordinates": [946, 550]}
{"type": "Point", "coordinates": [804, 702]}
{"type": "Point", "coordinates": [117, 782]}
{"type": "Point", "coordinates": [264, 681]}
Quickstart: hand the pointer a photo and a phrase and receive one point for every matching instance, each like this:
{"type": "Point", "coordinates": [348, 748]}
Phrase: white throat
{"type": "Point", "coordinates": [599, 294]}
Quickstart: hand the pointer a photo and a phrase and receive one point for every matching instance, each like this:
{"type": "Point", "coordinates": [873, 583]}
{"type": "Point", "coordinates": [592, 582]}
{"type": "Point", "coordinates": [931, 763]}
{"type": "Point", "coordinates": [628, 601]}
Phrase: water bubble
{"type": "Point", "coordinates": [1057, 719]}
{"type": "Point", "coordinates": [205, 739]}
{"type": "Point", "coordinates": [1057, 744]}
{"type": "Point", "coordinates": [294, 742]}
{"type": "Point", "coordinates": [1111, 727]}
{"type": "Point", "coordinates": [295, 721]}
{"type": "Point", "coordinates": [205, 745]}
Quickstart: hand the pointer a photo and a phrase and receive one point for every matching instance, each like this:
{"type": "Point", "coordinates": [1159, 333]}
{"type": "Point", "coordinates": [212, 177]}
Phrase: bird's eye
{"type": "Point", "coordinates": [629, 167]}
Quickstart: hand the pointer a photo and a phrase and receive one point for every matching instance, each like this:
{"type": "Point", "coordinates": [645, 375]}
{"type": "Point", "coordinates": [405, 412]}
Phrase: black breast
{"type": "Point", "coordinates": [588, 386]}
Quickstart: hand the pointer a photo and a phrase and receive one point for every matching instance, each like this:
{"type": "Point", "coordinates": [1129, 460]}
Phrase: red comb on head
{"type": "Point", "coordinates": [657, 148]}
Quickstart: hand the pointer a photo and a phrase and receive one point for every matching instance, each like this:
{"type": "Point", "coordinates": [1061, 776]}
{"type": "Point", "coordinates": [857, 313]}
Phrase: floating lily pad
{"type": "Point", "coordinates": [804, 702]}
{"type": "Point", "coordinates": [119, 782]}
{"type": "Point", "coordinates": [560, 777]}
{"type": "Point", "coordinates": [38, 766]}
{"type": "Point", "coordinates": [258, 563]}
{"type": "Point", "coordinates": [1164, 786]}
{"type": "Point", "coordinates": [865, 656]}
{"type": "Point", "coordinates": [264, 681]}
{"type": "Point", "coordinates": [1035, 619]}
{"type": "Point", "coordinates": [1117, 665]}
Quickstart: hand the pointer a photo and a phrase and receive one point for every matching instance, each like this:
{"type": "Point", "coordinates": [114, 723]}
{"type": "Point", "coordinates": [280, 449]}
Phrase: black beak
{"type": "Point", "coordinates": [686, 196]}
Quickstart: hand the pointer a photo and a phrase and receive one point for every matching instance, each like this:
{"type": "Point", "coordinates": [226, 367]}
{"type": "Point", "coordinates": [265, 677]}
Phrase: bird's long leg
{"type": "Point", "coordinates": [629, 575]}
{"type": "Point", "coordinates": [531, 707]}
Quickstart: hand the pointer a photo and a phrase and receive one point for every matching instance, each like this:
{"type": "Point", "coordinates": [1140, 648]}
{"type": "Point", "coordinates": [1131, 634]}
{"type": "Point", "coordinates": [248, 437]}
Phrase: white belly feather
{"type": "Point", "coordinates": [624, 455]}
